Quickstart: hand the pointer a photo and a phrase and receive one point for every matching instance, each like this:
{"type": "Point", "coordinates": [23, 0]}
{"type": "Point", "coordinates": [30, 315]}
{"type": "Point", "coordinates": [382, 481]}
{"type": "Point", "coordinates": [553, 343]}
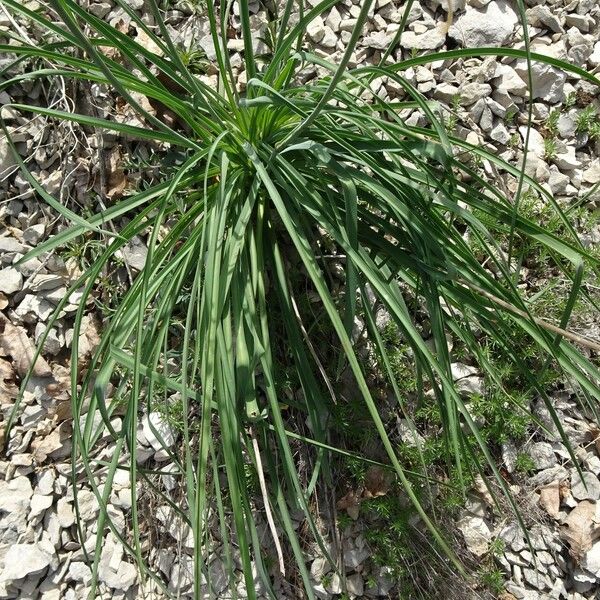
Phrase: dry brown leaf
{"type": "Point", "coordinates": [117, 181]}
{"type": "Point", "coordinates": [89, 337]}
{"type": "Point", "coordinates": [60, 391]}
{"type": "Point", "coordinates": [145, 40]}
{"type": "Point", "coordinates": [144, 102]}
{"type": "Point", "coordinates": [377, 482]}
{"type": "Point", "coordinates": [550, 498]}
{"type": "Point", "coordinates": [110, 51]}
{"type": "Point", "coordinates": [482, 489]}
{"type": "Point", "coordinates": [506, 596]}
{"type": "Point", "coordinates": [581, 529]}
{"type": "Point", "coordinates": [15, 343]}
{"type": "Point", "coordinates": [351, 504]}
{"type": "Point", "coordinates": [595, 430]}
{"type": "Point", "coordinates": [565, 490]}
{"type": "Point", "coordinates": [55, 440]}
{"type": "Point", "coordinates": [8, 388]}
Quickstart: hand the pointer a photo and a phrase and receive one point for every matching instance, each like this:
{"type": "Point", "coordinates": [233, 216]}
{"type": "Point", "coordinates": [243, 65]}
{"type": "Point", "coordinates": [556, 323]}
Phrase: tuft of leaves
{"type": "Point", "coordinates": [236, 330]}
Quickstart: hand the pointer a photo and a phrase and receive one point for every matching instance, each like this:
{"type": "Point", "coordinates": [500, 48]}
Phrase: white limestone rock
{"type": "Point", "coordinates": [476, 532]}
{"type": "Point", "coordinates": [157, 431]}
{"type": "Point", "coordinates": [26, 560]}
{"type": "Point", "coordinates": [11, 281]}
{"type": "Point", "coordinates": [492, 25]}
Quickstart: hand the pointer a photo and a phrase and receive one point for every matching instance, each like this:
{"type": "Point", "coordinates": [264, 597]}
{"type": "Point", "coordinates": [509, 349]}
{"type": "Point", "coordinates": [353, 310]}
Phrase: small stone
{"type": "Point", "coordinates": [509, 456]}
{"type": "Point", "coordinates": [45, 485]}
{"type": "Point", "coordinates": [11, 280]}
{"type": "Point", "coordinates": [15, 495]}
{"type": "Point", "coordinates": [460, 370]}
{"type": "Point", "coordinates": [334, 584]}
{"type": "Point", "coordinates": [355, 585]}
{"type": "Point", "coordinates": [548, 82]}
{"type": "Point", "coordinates": [409, 434]}
{"type": "Point", "coordinates": [87, 504]}
{"type": "Point", "coordinates": [218, 575]}
{"type": "Point", "coordinates": [590, 175]}
{"type": "Point", "coordinates": [535, 579]}
{"type": "Point", "coordinates": [446, 92]}
{"type": "Point", "coordinates": [8, 164]}
{"type": "Point", "coordinates": [39, 504]}
{"type": "Point", "coordinates": [383, 584]}
{"type": "Point", "coordinates": [539, 16]}
{"type": "Point", "coordinates": [207, 45]}
{"type": "Point", "coordinates": [330, 39]}
{"type": "Point", "coordinates": [79, 571]}
{"type": "Point", "coordinates": [542, 455]}
{"type": "Point", "coordinates": [32, 235]}
{"type": "Point", "coordinates": [567, 159]}
{"type": "Point", "coordinates": [471, 92]}
{"type": "Point", "coordinates": [9, 244]}
{"type": "Point", "coordinates": [333, 19]}
{"type": "Point", "coordinates": [592, 463]}
{"type": "Point", "coordinates": [316, 30]}
{"type": "Point", "coordinates": [509, 80]}
{"type": "Point", "coordinates": [535, 141]}
{"type": "Point", "coordinates": [477, 534]}
{"type": "Point", "coordinates": [513, 536]}
{"type": "Point", "coordinates": [33, 308]}
{"type": "Point", "coordinates": [134, 253]}
{"type": "Point", "coordinates": [120, 579]}
{"type": "Point", "coordinates": [490, 26]}
{"type": "Point", "coordinates": [593, 59]}
{"type": "Point", "coordinates": [319, 568]}
{"type": "Point", "coordinates": [182, 574]}
{"type": "Point", "coordinates": [157, 431]}
{"type": "Point", "coordinates": [25, 560]}
{"type": "Point", "coordinates": [178, 529]}
{"type": "Point", "coordinates": [591, 560]}
{"type": "Point", "coordinates": [500, 134]}
{"type": "Point", "coordinates": [55, 444]}
{"type": "Point", "coordinates": [558, 181]}
{"type": "Point", "coordinates": [378, 40]}
{"type": "Point", "coordinates": [428, 40]}
{"type": "Point", "coordinates": [472, 386]}
{"type": "Point", "coordinates": [567, 125]}
{"type": "Point", "coordinates": [44, 282]}
{"type": "Point", "coordinates": [516, 559]}
{"type": "Point", "coordinates": [100, 9]}
{"type": "Point", "coordinates": [579, 485]}
{"type": "Point", "coordinates": [135, 4]}
{"type": "Point", "coordinates": [582, 22]}
{"type": "Point", "coordinates": [355, 557]}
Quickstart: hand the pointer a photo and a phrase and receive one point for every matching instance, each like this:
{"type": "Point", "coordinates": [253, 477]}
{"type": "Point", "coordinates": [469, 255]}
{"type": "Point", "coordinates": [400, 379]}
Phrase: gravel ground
{"type": "Point", "coordinates": [40, 555]}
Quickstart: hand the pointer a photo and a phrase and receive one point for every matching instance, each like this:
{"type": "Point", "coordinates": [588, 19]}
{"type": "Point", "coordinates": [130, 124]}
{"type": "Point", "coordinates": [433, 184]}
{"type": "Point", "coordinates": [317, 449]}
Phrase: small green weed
{"type": "Point", "coordinates": [524, 463]}
{"type": "Point", "coordinates": [388, 537]}
{"type": "Point", "coordinates": [551, 125]}
{"type": "Point", "coordinates": [493, 579]}
{"type": "Point", "coordinates": [550, 149]}
{"type": "Point", "coordinates": [452, 120]}
{"type": "Point", "coordinates": [594, 130]}
{"type": "Point", "coordinates": [570, 100]}
{"type": "Point", "coordinates": [586, 119]}
{"type": "Point", "coordinates": [497, 547]}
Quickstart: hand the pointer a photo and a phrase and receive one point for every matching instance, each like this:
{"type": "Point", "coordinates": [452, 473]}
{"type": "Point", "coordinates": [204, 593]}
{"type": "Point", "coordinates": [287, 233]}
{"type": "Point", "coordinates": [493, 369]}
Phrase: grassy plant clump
{"type": "Point", "coordinates": [290, 213]}
{"type": "Point", "coordinates": [550, 150]}
{"type": "Point", "coordinates": [586, 119]}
